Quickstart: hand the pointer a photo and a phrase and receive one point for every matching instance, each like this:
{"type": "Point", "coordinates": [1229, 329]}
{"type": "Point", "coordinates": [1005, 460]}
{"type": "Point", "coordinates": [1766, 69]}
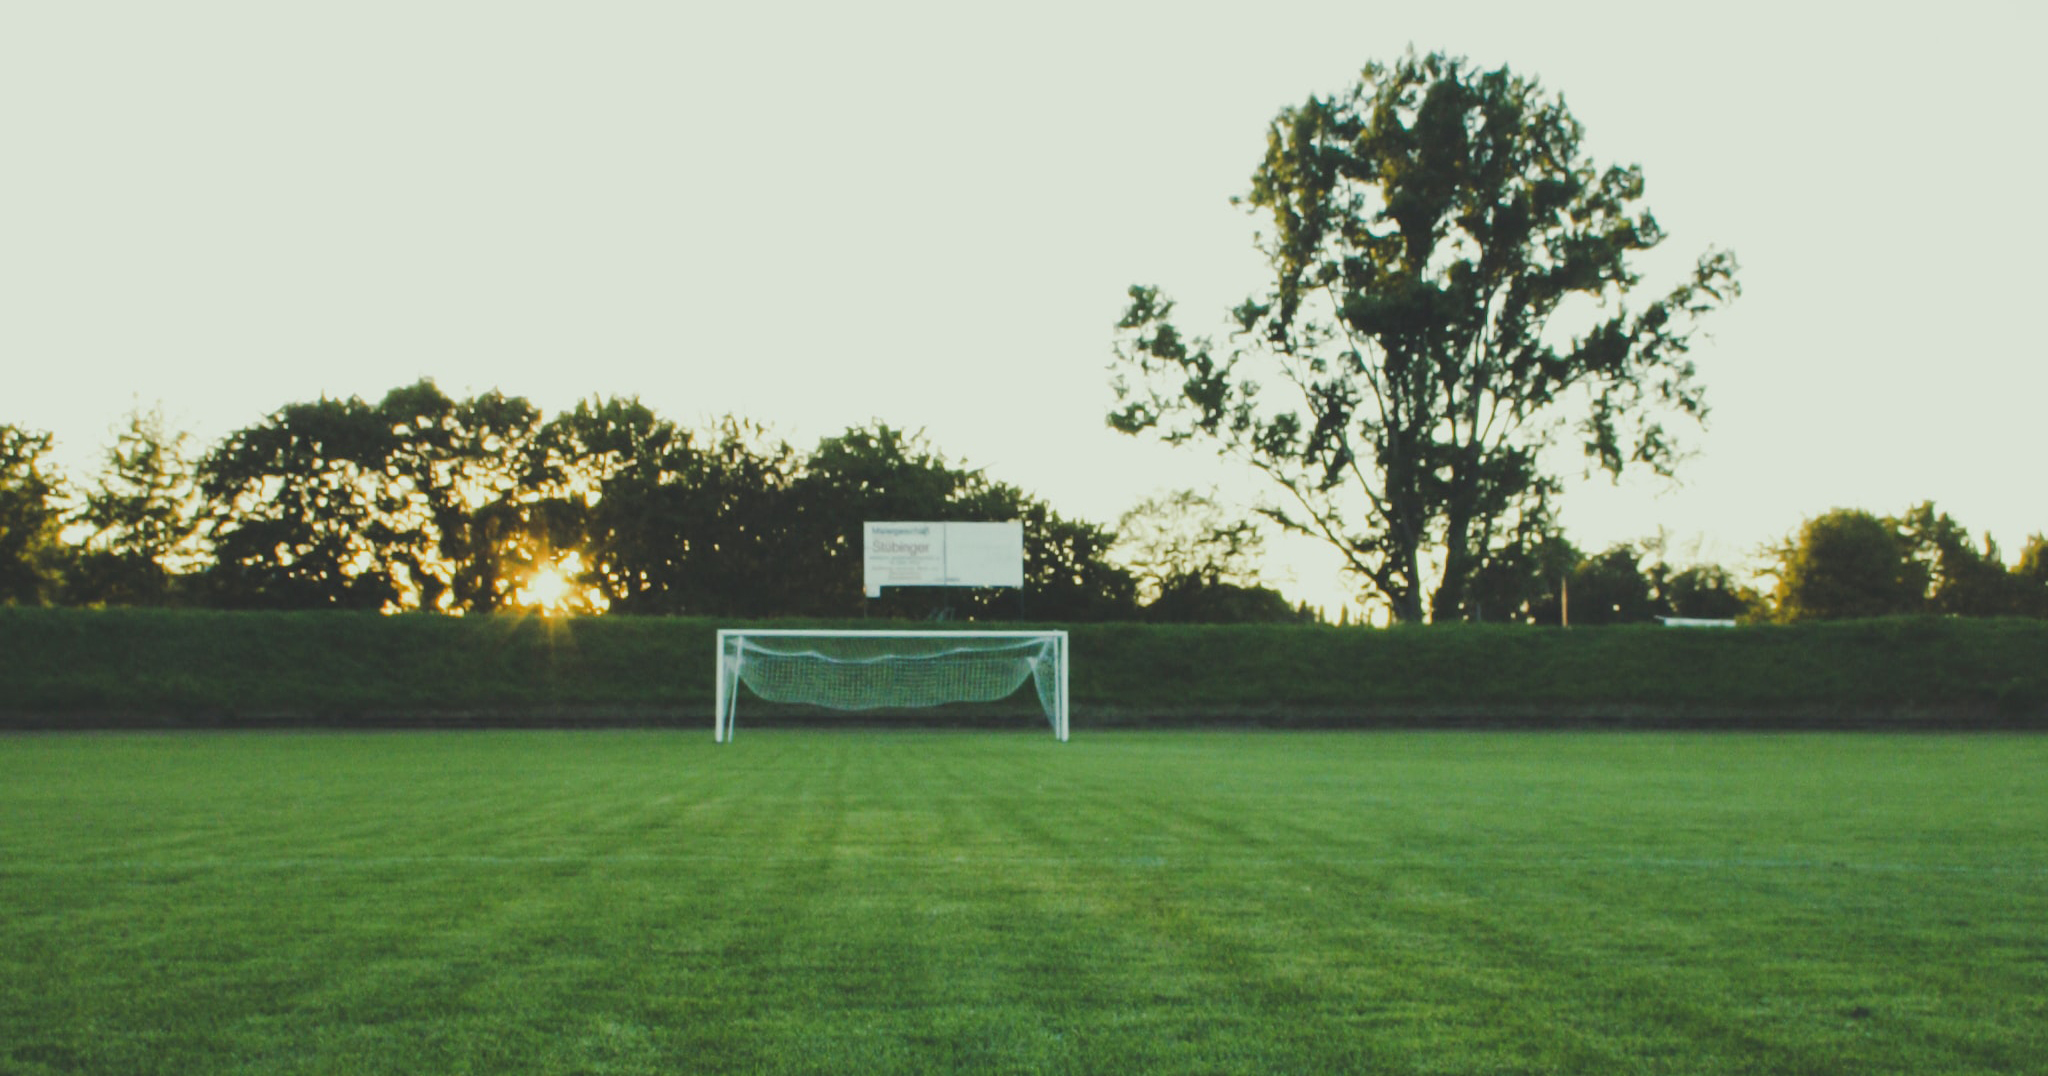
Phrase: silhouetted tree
{"type": "Point", "coordinates": [1704, 591]}
{"type": "Point", "coordinates": [879, 474]}
{"type": "Point", "coordinates": [1848, 563]}
{"type": "Point", "coordinates": [668, 521]}
{"type": "Point", "coordinates": [1194, 563]}
{"type": "Point", "coordinates": [418, 502]}
{"type": "Point", "coordinates": [600, 464]}
{"type": "Point", "coordinates": [1180, 537]}
{"type": "Point", "coordinates": [1964, 580]}
{"type": "Point", "coordinates": [1434, 232]}
{"type": "Point", "coordinates": [32, 553]}
{"type": "Point", "coordinates": [423, 501]}
{"type": "Point", "coordinates": [456, 499]}
{"type": "Point", "coordinates": [735, 514]}
{"type": "Point", "coordinates": [1523, 581]}
{"type": "Point", "coordinates": [1610, 588]}
{"type": "Point", "coordinates": [293, 511]}
{"type": "Point", "coordinates": [143, 513]}
{"type": "Point", "coordinates": [1068, 573]}
{"type": "Point", "coordinates": [882, 474]}
{"type": "Point", "coordinates": [1851, 563]}
{"type": "Point", "coordinates": [2030, 576]}
{"type": "Point", "coordinates": [1190, 600]}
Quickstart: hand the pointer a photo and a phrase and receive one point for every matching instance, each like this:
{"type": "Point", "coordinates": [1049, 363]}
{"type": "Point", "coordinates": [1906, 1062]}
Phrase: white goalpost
{"type": "Point", "coordinates": [877, 670]}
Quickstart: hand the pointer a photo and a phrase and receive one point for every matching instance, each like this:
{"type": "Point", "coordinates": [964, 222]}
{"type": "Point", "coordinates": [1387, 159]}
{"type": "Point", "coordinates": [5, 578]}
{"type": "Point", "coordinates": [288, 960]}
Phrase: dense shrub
{"type": "Point", "coordinates": [86, 668]}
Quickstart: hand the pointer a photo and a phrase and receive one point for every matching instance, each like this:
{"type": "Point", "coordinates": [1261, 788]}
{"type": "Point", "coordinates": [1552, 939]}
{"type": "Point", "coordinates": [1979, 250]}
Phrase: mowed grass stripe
{"type": "Point", "coordinates": [896, 901]}
{"type": "Point", "coordinates": [666, 862]}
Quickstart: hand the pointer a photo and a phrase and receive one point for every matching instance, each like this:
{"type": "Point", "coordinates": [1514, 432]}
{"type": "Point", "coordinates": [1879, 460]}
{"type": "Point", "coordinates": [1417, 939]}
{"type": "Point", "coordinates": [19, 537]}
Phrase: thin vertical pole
{"type": "Point", "coordinates": [718, 694]}
{"type": "Point", "coordinates": [1064, 715]}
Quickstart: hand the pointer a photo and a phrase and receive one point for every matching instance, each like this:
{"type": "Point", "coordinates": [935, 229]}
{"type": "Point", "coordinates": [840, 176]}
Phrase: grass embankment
{"type": "Point", "coordinates": [128, 668]}
{"type": "Point", "coordinates": [881, 902]}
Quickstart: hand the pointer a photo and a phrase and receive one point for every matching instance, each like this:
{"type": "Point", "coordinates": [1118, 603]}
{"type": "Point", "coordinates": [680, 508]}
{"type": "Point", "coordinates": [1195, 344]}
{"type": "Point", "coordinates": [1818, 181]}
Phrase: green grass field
{"type": "Point", "coordinates": [861, 901]}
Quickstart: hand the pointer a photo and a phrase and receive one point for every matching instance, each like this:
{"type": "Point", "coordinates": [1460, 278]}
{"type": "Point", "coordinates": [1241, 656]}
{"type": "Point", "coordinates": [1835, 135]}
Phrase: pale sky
{"type": "Point", "coordinates": [815, 215]}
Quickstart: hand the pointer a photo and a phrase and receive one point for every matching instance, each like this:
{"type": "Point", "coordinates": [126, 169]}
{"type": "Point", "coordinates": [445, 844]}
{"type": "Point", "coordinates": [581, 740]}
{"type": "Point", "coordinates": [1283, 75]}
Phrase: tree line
{"type": "Point", "coordinates": [424, 502]}
{"type": "Point", "coordinates": [1843, 564]}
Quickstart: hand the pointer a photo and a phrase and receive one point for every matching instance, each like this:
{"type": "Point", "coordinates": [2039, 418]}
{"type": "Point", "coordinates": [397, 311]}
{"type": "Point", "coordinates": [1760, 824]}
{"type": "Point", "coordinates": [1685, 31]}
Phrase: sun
{"type": "Point", "coordinates": [552, 588]}
{"type": "Point", "coordinates": [547, 588]}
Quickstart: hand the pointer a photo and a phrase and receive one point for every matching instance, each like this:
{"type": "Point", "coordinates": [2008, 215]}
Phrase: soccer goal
{"type": "Point", "coordinates": [889, 670]}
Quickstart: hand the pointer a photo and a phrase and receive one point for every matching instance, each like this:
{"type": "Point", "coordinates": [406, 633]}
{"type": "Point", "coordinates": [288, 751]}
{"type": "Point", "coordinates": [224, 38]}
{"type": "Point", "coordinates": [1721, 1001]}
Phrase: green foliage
{"type": "Point", "coordinates": [1965, 580]}
{"type": "Point", "coordinates": [2030, 577]}
{"type": "Point", "coordinates": [1193, 600]}
{"type": "Point", "coordinates": [153, 667]}
{"type": "Point", "coordinates": [1848, 563]}
{"type": "Point", "coordinates": [1610, 588]}
{"type": "Point", "coordinates": [293, 510]}
{"type": "Point", "coordinates": [1433, 233]}
{"type": "Point", "coordinates": [1705, 592]}
{"type": "Point", "coordinates": [881, 473]}
{"type": "Point", "coordinates": [1068, 574]}
{"type": "Point", "coordinates": [456, 513]}
{"type": "Point", "coordinates": [675, 524]}
{"type": "Point", "coordinates": [1185, 537]}
{"type": "Point", "coordinates": [143, 513]}
{"type": "Point", "coordinates": [423, 502]}
{"type": "Point", "coordinates": [603, 465]}
{"type": "Point", "coordinates": [32, 553]}
{"type": "Point", "coordinates": [1524, 581]}
{"type": "Point", "coordinates": [1628, 583]}
{"type": "Point", "coordinates": [1851, 563]}
{"type": "Point", "coordinates": [1195, 564]}
{"type": "Point", "coordinates": [739, 524]}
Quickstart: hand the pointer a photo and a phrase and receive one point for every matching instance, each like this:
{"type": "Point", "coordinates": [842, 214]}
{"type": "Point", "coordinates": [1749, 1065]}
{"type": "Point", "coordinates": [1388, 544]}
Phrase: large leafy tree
{"type": "Point", "coordinates": [1068, 573]}
{"type": "Point", "coordinates": [1452, 279]}
{"type": "Point", "coordinates": [1194, 562]}
{"type": "Point", "coordinates": [31, 518]}
{"type": "Point", "coordinates": [878, 473]}
{"type": "Point", "coordinates": [603, 462]}
{"type": "Point", "coordinates": [1705, 591]}
{"type": "Point", "coordinates": [668, 520]}
{"type": "Point", "coordinates": [1966, 580]}
{"type": "Point", "coordinates": [1526, 580]}
{"type": "Point", "coordinates": [295, 510]}
{"type": "Point", "coordinates": [1852, 563]}
{"type": "Point", "coordinates": [457, 497]}
{"type": "Point", "coordinates": [2030, 577]}
{"type": "Point", "coordinates": [1610, 588]}
{"type": "Point", "coordinates": [144, 517]}
{"type": "Point", "coordinates": [1183, 539]}
{"type": "Point", "coordinates": [419, 501]}
{"type": "Point", "coordinates": [1848, 563]}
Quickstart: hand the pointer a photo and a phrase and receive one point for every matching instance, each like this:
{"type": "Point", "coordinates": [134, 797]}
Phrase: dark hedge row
{"type": "Point", "coordinates": [62, 668]}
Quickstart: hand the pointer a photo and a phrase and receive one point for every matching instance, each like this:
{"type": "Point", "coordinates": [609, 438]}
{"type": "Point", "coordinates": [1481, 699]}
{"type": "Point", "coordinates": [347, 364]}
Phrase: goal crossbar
{"type": "Point", "coordinates": [888, 669]}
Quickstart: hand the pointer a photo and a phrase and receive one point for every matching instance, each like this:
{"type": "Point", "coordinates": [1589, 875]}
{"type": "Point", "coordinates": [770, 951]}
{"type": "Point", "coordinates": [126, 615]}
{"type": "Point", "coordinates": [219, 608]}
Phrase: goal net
{"type": "Point", "coordinates": [890, 670]}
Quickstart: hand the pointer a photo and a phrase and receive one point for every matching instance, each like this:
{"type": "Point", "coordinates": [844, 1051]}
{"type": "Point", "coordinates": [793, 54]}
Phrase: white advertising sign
{"type": "Point", "coordinates": [942, 555]}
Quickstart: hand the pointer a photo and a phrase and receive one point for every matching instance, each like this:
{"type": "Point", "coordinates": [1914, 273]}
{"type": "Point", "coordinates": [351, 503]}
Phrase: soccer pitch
{"type": "Point", "coordinates": [901, 901]}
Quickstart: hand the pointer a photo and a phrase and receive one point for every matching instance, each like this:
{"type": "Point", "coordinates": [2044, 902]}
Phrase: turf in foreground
{"type": "Point", "coordinates": [905, 902]}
